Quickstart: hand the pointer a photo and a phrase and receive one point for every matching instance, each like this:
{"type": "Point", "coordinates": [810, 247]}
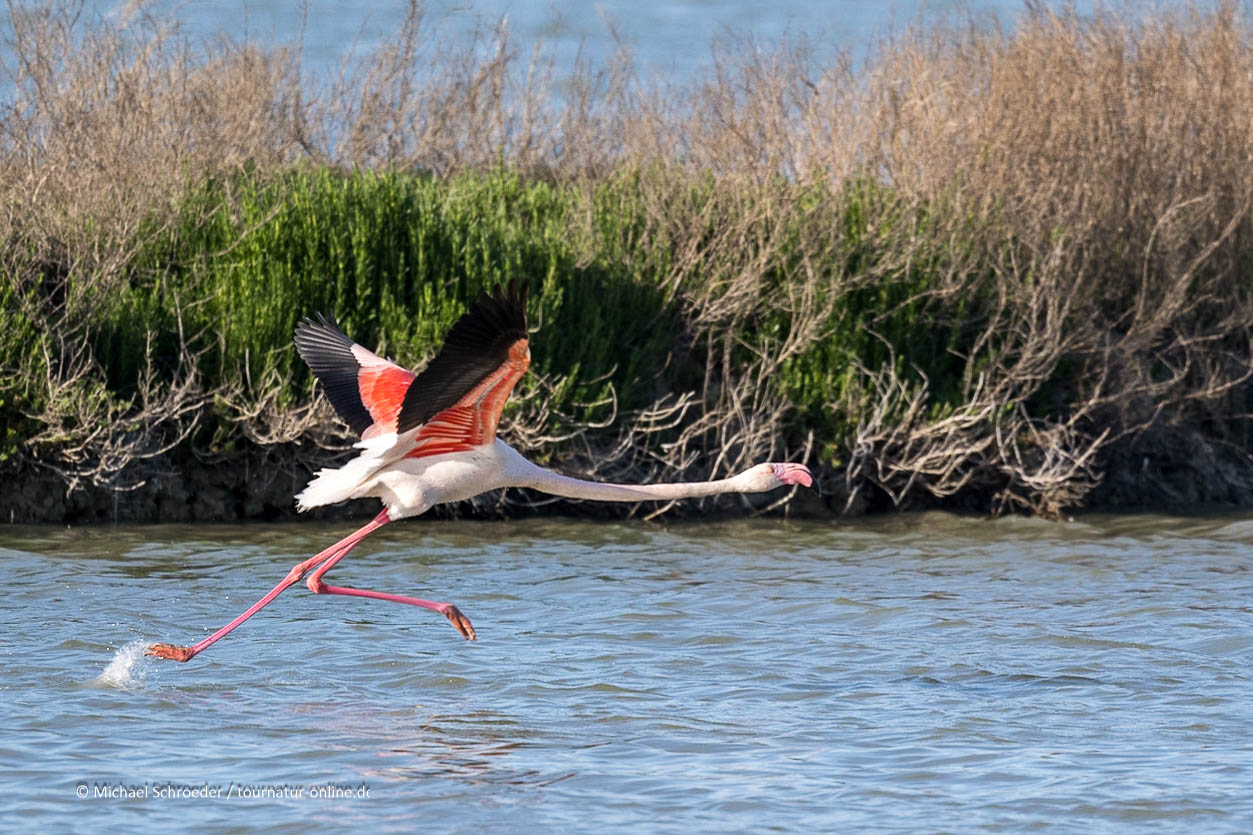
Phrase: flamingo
{"type": "Point", "coordinates": [430, 438]}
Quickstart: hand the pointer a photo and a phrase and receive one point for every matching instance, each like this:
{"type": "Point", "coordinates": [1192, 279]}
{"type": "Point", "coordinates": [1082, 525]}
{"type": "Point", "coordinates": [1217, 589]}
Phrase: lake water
{"type": "Point", "coordinates": [916, 671]}
{"type": "Point", "coordinates": [668, 37]}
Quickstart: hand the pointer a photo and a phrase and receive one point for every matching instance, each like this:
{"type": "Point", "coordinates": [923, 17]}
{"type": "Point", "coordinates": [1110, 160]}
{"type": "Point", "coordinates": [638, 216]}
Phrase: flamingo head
{"type": "Point", "coordinates": [792, 474]}
{"type": "Point", "coordinates": [765, 477]}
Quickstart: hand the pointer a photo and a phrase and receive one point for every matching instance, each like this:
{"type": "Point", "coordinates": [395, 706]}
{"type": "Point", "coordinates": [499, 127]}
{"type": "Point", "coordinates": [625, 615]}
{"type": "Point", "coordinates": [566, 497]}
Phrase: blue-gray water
{"type": "Point", "coordinates": [669, 38]}
{"type": "Point", "coordinates": [916, 672]}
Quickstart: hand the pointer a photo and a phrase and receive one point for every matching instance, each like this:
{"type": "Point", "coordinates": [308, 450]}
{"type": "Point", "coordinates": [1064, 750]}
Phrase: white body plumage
{"type": "Point", "coordinates": [411, 486]}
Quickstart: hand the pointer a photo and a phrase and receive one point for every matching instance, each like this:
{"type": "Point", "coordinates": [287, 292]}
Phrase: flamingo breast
{"type": "Point", "coordinates": [411, 486]}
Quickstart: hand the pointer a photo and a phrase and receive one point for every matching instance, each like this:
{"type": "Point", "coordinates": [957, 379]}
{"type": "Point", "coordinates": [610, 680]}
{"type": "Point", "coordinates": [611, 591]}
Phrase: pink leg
{"type": "Point", "coordinates": [335, 553]}
{"type": "Point", "coordinates": [458, 620]}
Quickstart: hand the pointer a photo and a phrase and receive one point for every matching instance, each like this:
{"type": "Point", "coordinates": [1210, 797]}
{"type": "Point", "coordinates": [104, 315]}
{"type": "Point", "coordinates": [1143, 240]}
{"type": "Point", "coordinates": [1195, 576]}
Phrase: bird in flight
{"type": "Point", "coordinates": [431, 437]}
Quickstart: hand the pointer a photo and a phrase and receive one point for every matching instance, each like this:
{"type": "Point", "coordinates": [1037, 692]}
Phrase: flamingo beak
{"type": "Point", "coordinates": [795, 474]}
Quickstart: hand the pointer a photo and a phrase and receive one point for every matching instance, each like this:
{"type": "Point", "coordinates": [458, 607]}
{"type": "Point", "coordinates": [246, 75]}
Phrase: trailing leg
{"type": "Point", "coordinates": [333, 554]}
{"type": "Point", "coordinates": [459, 621]}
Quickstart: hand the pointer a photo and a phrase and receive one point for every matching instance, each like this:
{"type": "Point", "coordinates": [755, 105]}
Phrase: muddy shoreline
{"type": "Point", "coordinates": [259, 485]}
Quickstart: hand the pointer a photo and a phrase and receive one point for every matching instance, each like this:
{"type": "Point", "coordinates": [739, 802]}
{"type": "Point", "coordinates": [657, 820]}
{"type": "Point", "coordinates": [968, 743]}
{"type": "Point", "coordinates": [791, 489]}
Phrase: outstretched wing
{"type": "Point", "coordinates": [458, 396]}
{"type": "Point", "coordinates": [366, 390]}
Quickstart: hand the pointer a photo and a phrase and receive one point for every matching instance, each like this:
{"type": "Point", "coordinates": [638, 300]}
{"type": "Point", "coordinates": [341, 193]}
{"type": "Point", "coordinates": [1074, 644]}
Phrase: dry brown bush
{"type": "Point", "coordinates": [1107, 161]}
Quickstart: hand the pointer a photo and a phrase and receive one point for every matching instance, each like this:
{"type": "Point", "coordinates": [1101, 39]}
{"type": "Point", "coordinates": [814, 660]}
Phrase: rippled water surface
{"type": "Point", "coordinates": [920, 671]}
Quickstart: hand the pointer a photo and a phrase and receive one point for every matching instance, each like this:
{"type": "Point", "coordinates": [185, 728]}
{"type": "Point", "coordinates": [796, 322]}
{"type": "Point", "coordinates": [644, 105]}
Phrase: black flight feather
{"type": "Point", "coordinates": [328, 353]}
{"type": "Point", "coordinates": [477, 345]}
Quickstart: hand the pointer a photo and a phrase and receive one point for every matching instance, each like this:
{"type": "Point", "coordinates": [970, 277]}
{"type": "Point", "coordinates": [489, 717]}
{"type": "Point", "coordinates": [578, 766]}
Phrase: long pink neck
{"type": "Point", "coordinates": [577, 488]}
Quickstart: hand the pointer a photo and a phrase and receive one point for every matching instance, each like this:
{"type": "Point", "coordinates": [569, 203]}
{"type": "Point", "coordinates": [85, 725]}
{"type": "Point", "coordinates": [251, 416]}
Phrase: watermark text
{"type": "Point", "coordinates": [158, 791]}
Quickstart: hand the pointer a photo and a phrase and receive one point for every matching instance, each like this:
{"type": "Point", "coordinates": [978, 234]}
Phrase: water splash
{"type": "Point", "coordinates": [128, 670]}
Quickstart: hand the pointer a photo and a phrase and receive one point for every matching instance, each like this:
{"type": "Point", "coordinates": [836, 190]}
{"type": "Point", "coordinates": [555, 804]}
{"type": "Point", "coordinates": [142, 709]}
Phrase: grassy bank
{"type": "Point", "coordinates": [998, 270]}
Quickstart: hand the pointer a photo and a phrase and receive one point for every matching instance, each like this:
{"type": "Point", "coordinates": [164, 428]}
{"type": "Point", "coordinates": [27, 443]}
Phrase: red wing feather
{"type": "Point", "coordinates": [476, 347]}
{"type": "Point", "coordinates": [365, 389]}
{"type": "Point", "coordinates": [383, 386]}
{"type": "Point", "coordinates": [472, 420]}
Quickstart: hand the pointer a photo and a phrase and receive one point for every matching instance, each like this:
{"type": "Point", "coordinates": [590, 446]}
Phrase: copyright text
{"type": "Point", "coordinates": [220, 791]}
